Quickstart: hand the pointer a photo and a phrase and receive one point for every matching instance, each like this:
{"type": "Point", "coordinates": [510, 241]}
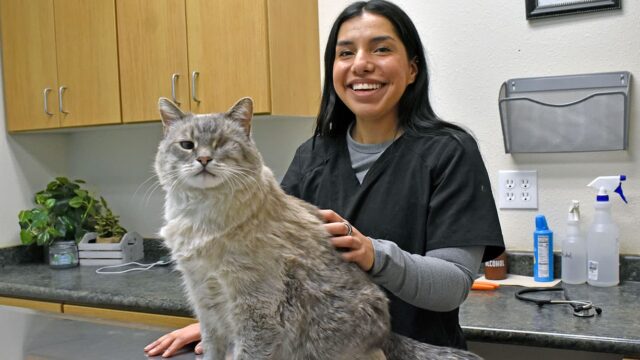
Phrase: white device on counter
{"type": "Point", "coordinates": [130, 248]}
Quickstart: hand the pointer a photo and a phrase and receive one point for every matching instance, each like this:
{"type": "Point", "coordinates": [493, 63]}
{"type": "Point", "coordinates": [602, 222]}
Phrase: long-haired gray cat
{"type": "Point", "coordinates": [257, 264]}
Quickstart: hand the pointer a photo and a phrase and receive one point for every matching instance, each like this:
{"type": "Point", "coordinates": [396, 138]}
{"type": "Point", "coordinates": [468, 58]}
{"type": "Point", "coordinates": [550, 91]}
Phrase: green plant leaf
{"type": "Point", "coordinates": [79, 181]}
{"type": "Point", "coordinates": [25, 237]}
{"type": "Point", "coordinates": [44, 238]}
{"type": "Point", "coordinates": [81, 193]}
{"type": "Point", "coordinates": [76, 202]}
{"type": "Point", "coordinates": [42, 197]}
{"type": "Point", "coordinates": [62, 180]}
{"type": "Point", "coordinates": [24, 216]}
{"type": "Point", "coordinates": [50, 203]}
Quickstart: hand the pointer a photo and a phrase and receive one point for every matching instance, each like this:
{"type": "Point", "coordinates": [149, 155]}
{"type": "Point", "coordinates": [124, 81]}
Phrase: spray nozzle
{"type": "Point", "coordinates": [605, 184]}
{"type": "Point", "coordinates": [574, 211]}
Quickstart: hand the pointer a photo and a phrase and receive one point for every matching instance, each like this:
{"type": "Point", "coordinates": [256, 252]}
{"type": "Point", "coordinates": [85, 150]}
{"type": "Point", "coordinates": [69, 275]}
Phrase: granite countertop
{"type": "Point", "coordinates": [486, 316]}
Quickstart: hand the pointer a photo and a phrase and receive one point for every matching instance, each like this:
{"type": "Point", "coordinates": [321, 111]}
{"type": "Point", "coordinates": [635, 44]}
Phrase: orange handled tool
{"type": "Point", "coordinates": [484, 285]}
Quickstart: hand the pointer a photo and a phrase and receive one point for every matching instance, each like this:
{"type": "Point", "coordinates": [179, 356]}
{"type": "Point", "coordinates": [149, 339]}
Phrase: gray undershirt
{"type": "Point", "coordinates": [438, 281]}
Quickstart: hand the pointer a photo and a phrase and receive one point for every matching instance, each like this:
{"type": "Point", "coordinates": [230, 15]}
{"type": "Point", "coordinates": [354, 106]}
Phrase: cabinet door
{"type": "Point", "coordinates": [152, 44]}
{"type": "Point", "coordinates": [228, 49]}
{"type": "Point", "coordinates": [87, 54]}
{"type": "Point", "coordinates": [294, 57]}
{"type": "Point", "coordinates": [29, 62]}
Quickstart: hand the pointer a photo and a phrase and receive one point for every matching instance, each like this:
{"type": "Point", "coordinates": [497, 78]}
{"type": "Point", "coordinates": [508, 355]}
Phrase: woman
{"type": "Point", "coordinates": [409, 195]}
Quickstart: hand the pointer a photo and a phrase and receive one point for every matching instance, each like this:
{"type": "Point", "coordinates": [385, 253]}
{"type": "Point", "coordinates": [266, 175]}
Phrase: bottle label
{"type": "Point", "coordinates": [593, 270]}
{"type": "Point", "coordinates": [543, 256]}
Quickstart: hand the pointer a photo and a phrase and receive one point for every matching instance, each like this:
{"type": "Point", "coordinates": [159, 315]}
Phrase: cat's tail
{"type": "Point", "coordinates": [398, 347]}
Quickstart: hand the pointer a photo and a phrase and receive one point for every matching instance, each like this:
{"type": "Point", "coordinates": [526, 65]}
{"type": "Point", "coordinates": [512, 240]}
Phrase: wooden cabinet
{"type": "Point", "coordinates": [228, 54]}
{"type": "Point", "coordinates": [207, 54]}
{"type": "Point", "coordinates": [29, 61]}
{"type": "Point", "coordinates": [90, 69]}
{"type": "Point", "coordinates": [152, 46]}
{"type": "Point", "coordinates": [60, 63]}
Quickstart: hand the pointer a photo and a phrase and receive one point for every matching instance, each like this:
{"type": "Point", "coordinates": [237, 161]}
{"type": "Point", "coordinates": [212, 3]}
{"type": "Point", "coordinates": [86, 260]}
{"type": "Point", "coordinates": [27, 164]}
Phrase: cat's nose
{"type": "Point", "coordinates": [204, 160]}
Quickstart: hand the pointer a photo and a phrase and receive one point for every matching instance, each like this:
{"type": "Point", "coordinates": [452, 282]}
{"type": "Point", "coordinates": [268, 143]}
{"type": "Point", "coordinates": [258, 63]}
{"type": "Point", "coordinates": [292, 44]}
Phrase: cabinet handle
{"type": "Point", "coordinates": [174, 79]}
{"type": "Point", "coordinates": [194, 76]}
{"type": "Point", "coordinates": [46, 104]}
{"type": "Point", "coordinates": [60, 102]}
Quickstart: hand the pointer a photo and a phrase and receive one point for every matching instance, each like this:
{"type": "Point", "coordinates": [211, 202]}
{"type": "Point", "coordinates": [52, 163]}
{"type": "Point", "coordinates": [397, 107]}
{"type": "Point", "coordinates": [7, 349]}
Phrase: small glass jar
{"type": "Point", "coordinates": [63, 254]}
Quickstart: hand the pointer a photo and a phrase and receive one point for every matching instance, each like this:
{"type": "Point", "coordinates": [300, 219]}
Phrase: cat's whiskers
{"type": "Point", "coordinates": [169, 176]}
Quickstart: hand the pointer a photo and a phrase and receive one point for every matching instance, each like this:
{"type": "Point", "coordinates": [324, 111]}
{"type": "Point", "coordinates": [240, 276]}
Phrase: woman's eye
{"type": "Point", "coordinates": [187, 145]}
{"type": "Point", "coordinates": [344, 53]}
{"type": "Point", "coordinates": [383, 49]}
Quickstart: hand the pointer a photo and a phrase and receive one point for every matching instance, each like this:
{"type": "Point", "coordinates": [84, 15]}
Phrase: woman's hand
{"type": "Point", "coordinates": [358, 248]}
{"type": "Point", "coordinates": [170, 343]}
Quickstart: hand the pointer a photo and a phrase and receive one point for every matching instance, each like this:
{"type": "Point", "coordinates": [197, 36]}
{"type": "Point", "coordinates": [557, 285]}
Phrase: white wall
{"type": "Point", "coordinates": [472, 47]}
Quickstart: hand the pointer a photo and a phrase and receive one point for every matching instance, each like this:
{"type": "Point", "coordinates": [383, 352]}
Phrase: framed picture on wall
{"type": "Point", "coordinates": [546, 8]}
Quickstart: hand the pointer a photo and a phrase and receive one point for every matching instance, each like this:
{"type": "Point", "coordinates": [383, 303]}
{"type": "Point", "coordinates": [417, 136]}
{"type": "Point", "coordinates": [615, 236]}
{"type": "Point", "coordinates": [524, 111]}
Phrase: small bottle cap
{"type": "Point", "coordinates": [541, 223]}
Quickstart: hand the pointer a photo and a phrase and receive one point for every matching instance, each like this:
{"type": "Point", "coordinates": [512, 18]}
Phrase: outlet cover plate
{"type": "Point", "coordinates": [518, 189]}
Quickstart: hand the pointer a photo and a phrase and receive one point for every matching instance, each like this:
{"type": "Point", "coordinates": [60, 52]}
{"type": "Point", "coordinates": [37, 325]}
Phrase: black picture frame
{"type": "Point", "coordinates": [567, 7]}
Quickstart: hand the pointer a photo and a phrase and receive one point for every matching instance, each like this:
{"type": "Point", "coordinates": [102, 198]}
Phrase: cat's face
{"type": "Point", "coordinates": [206, 151]}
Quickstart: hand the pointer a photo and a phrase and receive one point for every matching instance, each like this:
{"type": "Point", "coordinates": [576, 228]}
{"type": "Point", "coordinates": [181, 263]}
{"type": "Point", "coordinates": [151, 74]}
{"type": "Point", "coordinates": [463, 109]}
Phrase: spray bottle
{"type": "Point", "coordinates": [542, 251]}
{"type": "Point", "coordinates": [574, 249]}
{"type": "Point", "coordinates": [603, 247]}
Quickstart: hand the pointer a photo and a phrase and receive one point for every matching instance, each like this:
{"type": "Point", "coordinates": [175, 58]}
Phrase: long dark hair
{"type": "Point", "coordinates": [415, 113]}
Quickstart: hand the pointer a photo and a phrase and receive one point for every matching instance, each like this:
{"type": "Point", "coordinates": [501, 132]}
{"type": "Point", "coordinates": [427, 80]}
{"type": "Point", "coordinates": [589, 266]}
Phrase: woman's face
{"type": "Point", "coordinates": [371, 70]}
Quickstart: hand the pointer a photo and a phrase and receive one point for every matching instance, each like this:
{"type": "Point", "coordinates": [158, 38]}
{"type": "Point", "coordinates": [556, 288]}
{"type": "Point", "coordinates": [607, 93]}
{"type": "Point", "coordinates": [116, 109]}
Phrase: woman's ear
{"type": "Point", "coordinates": [413, 70]}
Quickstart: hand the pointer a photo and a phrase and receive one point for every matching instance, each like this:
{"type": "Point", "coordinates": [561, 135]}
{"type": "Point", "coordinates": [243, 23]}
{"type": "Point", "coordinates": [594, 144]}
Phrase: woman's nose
{"type": "Point", "coordinates": [362, 63]}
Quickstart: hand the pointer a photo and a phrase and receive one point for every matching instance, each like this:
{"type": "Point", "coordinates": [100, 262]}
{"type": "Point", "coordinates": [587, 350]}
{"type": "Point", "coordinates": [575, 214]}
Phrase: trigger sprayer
{"type": "Point", "coordinates": [603, 246]}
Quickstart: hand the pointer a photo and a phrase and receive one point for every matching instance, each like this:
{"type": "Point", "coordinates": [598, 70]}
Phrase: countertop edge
{"type": "Point", "coordinates": [552, 340]}
{"type": "Point", "coordinates": [84, 298]}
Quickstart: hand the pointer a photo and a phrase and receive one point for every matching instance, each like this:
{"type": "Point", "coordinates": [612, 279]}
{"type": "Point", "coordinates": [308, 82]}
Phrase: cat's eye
{"type": "Point", "coordinates": [187, 145]}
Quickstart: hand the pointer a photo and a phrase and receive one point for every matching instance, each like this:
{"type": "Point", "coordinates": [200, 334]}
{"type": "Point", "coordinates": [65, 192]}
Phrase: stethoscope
{"type": "Point", "coordinates": [581, 308]}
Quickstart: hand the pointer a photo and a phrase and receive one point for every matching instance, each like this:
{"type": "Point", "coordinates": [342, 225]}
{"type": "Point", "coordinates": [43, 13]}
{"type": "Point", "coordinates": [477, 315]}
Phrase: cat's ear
{"type": "Point", "coordinates": [169, 112]}
{"type": "Point", "coordinates": [242, 112]}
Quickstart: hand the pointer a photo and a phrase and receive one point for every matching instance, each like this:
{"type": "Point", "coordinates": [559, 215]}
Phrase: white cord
{"type": "Point", "coordinates": [142, 267]}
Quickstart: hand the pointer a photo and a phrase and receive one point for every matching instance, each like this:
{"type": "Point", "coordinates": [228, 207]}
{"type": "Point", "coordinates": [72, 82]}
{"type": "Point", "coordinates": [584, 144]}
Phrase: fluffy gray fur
{"type": "Point", "coordinates": [257, 264]}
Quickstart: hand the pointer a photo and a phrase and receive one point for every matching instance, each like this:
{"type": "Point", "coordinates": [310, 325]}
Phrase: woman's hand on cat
{"type": "Point", "coordinates": [169, 344]}
{"type": "Point", "coordinates": [357, 247]}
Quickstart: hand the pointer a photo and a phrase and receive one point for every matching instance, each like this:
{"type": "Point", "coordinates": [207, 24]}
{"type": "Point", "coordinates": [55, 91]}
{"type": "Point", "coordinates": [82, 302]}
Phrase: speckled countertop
{"type": "Point", "coordinates": [486, 316]}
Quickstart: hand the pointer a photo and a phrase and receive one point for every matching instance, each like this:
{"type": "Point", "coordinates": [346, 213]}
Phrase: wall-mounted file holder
{"type": "Point", "coordinates": [588, 112]}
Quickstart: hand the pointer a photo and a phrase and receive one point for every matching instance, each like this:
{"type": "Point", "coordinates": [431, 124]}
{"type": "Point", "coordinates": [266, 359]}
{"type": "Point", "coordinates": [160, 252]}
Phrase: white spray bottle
{"type": "Point", "coordinates": [574, 249]}
{"type": "Point", "coordinates": [603, 247]}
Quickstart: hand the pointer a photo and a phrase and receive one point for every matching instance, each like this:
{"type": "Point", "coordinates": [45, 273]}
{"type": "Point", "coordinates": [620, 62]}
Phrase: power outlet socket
{"type": "Point", "coordinates": [518, 189]}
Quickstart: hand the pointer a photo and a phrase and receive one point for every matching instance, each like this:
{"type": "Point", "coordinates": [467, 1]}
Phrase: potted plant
{"type": "Point", "coordinates": [108, 227]}
{"type": "Point", "coordinates": [63, 211]}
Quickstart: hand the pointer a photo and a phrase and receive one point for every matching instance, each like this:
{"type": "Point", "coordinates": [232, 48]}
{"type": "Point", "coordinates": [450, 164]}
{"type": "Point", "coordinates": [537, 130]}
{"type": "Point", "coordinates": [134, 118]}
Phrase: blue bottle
{"type": "Point", "coordinates": [542, 251]}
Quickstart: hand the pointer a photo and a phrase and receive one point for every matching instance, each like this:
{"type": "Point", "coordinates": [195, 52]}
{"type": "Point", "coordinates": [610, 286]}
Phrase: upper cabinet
{"type": "Point", "coordinates": [70, 63]}
{"type": "Point", "coordinates": [30, 87]}
{"type": "Point", "coordinates": [62, 69]}
{"type": "Point", "coordinates": [228, 54]}
{"type": "Point", "coordinates": [152, 45]}
{"type": "Point", "coordinates": [205, 55]}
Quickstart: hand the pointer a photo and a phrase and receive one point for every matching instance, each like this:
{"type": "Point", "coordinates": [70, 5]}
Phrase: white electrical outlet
{"type": "Point", "coordinates": [518, 189]}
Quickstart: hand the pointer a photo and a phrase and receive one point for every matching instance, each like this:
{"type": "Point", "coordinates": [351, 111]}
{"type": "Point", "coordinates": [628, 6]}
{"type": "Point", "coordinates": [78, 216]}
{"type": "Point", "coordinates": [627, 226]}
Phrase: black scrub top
{"type": "Point", "coordinates": [424, 192]}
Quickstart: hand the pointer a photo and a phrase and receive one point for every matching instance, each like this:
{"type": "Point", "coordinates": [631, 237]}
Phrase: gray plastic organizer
{"type": "Point", "coordinates": [572, 113]}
